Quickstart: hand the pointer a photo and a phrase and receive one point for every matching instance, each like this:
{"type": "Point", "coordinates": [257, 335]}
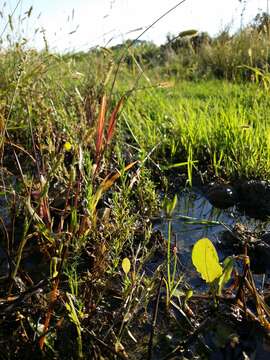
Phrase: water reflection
{"type": "Point", "coordinates": [194, 218]}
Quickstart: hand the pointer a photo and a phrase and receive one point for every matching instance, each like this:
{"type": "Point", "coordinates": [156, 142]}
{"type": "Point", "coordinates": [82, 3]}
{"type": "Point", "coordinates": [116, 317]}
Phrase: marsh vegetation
{"type": "Point", "coordinates": [95, 247]}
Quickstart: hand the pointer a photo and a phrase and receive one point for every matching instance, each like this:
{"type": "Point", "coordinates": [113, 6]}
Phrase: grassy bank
{"type": "Point", "coordinates": [214, 125]}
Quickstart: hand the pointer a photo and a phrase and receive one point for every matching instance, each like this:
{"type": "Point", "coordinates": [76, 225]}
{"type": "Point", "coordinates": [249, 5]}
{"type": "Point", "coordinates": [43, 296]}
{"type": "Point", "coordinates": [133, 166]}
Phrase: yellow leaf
{"type": "Point", "coordinates": [126, 265]}
{"type": "Point", "coordinates": [205, 259]}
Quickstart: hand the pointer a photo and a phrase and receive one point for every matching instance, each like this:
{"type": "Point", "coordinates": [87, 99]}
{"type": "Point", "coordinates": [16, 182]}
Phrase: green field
{"type": "Point", "coordinates": [224, 127]}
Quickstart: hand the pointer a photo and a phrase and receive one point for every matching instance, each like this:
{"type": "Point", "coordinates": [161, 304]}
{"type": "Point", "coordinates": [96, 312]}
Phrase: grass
{"type": "Point", "coordinates": [222, 126]}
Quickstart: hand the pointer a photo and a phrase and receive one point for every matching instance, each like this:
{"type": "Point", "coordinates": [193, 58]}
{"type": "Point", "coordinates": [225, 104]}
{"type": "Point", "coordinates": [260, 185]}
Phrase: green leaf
{"type": "Point", "coordinates": [178, 293]}
{"type": "Point", "coordinates": [189, 294]}
{"type": "Point", "coordinates": [205, 259]}
{"type": "Point", "coordinates": [173, 204]}
{"type": "Point", "coordinates": [170, 205]}
{"type": "Point", "coordinates": [226, 275]}
{"type": "Point", "coordinates": [126, 265]}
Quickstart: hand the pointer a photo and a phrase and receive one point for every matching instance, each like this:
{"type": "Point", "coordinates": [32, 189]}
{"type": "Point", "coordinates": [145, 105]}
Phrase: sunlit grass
{"type": "Point", "coordinates": [226, 125]}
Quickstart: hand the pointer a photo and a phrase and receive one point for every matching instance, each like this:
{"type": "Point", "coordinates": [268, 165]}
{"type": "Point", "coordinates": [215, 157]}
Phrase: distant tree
{"type": "Point", "coordinates": [261, 22]}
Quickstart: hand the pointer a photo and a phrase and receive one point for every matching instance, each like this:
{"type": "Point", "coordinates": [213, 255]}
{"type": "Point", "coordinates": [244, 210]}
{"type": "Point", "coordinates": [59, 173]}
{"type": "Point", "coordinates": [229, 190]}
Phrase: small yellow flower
{"type": "Point", "coordinates": [67, 146]}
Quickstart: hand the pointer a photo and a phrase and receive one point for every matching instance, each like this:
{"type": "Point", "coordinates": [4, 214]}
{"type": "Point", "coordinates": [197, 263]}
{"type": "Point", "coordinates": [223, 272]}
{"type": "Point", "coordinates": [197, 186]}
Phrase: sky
{"type": "Point", "coordinates": [74, 25]}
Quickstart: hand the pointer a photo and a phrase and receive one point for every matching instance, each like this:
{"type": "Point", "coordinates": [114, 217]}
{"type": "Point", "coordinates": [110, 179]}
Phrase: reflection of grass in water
{"type": "Point", "coordinates": [194, 218]}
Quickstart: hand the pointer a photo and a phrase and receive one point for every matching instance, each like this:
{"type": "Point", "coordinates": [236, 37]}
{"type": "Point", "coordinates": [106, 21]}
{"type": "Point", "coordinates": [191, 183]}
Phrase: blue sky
{"type": "Point", "coordinates": [99, 22]}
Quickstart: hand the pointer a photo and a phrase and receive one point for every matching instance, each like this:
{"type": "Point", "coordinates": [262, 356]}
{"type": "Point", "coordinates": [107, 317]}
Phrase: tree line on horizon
{"type": "Point", "coordinates": [199, 55]}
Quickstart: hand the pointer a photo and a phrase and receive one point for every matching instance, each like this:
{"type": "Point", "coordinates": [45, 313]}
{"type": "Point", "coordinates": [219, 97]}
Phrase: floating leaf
{"type": "Point", "coordinates": [126, 265]}
{"type": "Point", "coordinates": [205, 259]}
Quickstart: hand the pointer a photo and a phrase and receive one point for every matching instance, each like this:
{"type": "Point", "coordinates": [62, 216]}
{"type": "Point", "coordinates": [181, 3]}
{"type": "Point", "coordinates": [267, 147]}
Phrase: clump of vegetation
{"type": "Point", "coordinates": [72, 210]}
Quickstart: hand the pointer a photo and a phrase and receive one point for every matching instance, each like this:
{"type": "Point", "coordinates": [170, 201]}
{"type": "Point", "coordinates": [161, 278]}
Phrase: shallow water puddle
{"type": "Point", "coordinates": [195, 218]}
